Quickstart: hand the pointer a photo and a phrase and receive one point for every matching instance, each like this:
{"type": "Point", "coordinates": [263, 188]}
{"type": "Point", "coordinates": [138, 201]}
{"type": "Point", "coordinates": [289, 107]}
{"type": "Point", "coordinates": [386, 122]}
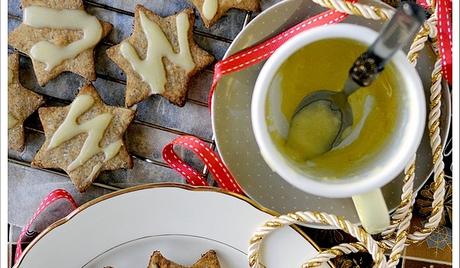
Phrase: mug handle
{"type": "Point", "coordinates": [372, 211]}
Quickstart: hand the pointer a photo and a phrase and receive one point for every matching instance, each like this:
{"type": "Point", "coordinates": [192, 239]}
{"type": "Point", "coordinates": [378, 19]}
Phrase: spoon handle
{"type": "Point", "coordinates": [396, 33]}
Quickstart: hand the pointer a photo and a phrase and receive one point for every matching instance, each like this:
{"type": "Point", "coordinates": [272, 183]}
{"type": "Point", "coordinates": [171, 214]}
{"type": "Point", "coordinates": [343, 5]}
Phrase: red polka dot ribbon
{"type": "Point", "coordinates": [210, 158]}
{"type": "Point", "coordinates": [444, 28]}
{"type": "Point", "coordinates": [46, 202]}
{"type": "Point", "coordinates": [260, 52]}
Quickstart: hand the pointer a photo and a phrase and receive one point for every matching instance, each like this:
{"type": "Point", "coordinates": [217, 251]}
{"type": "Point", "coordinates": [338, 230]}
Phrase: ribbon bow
{"type": "Point", "coordinates": [443, 10]}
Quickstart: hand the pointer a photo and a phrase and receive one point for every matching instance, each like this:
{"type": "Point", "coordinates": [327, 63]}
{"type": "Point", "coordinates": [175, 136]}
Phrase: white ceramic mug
{"type": "Point", "coordinates": [389, 161]}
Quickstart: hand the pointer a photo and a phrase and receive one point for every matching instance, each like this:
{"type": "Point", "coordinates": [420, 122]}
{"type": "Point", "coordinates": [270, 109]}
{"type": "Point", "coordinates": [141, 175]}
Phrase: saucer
{"type": "Point", "coordinates": [231, 116]}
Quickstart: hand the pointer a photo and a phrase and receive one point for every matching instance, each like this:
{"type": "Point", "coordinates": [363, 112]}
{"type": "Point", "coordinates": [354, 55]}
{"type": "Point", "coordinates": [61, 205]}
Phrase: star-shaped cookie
{"type": "Point", "coordinates": [160, 56]}
{"type": "Point", "coordinates": [65, 44]}
{"type": "Point", "coordinates": [212, 10]}
{"type": "Point", "coordinates": [21, 103]}
{"type": "Point", "coordinates": [208, 260]}
{"type": "Point", "coordinates": [84, 138]}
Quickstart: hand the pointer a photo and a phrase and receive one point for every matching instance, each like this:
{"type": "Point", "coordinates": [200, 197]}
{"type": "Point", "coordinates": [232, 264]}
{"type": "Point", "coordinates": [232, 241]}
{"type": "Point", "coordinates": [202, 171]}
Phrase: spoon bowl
{"type": "Point", "coordinates": [338, 102]}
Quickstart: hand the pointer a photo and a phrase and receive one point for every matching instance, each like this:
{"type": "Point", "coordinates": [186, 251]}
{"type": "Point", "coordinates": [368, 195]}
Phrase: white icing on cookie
{"type": "Point", "coordinates": [68, 19]}
{"type": "Point", "coordinates": [151, 69]}
{"type": "Point", "coordinates": [210, 8]}
{"type": "Point", "coordinates": [95, 128]}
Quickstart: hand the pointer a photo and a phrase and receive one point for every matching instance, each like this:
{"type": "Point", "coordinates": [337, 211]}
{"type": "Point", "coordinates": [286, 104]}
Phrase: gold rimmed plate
{"type": "Point", "coordinates": [231, 115]}
{"type": "Point", "coordinates": [123, 228]}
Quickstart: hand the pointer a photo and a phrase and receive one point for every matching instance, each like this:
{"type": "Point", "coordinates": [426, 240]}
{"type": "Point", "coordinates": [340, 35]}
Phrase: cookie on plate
{"type": "Point", "coordinates": [208, 260]}
{"type": "Point", "coordinates": [159, 57]}
{"type": "Point", "coordinates": [58, 36]}
{"type": "Point", "coordinates": [212, 10]}
{"type": "Point", "coordinates": [21, 104]}
{"type": "Point", "coordinates": [84, 138]}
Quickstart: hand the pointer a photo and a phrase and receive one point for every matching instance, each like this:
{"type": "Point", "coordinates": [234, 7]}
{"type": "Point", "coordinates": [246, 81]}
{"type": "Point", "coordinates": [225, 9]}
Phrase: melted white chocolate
{"type": "Point", "coordinates": [95, 128]}
{"type": "Point", "coordinates": [151, 69]}
{"type": "Point", "coordinates": [71, 19]}
{"type": "Point", "coordinates": [95, 170]}
{"type": "Point", "coordinates": [210, 8]}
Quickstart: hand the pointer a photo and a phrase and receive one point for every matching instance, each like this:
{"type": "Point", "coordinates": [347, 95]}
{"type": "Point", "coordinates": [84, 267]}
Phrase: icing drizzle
{"type": "Point", "coordinates": [151, 69]}
{"type": "Point", "coordinates": [210, 9]}
{"type": "Point", "coordinates": [72, 19]}
{"type": "Point", "coordinates": [95, 128]}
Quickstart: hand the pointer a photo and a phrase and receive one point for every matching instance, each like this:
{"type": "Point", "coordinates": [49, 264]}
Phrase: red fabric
{"type": "Point", "coordinates": [210, 158]}
{"type": "Point", "coordinates": [444, 27]}
{"type": "Point", "coordinates": [444, 12]}
{"type": "Point", "coordinates": [424, 4]}
{"type": "Point", "coordinates": [46, 202]}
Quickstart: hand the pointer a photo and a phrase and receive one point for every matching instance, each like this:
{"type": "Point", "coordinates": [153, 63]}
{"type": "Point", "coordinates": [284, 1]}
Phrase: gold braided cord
{"type": "Point", "coordinates": [401, 217]}
{"type": "Point", "coordinates": [366, 11]}
{"type": "Point", "coordinates": [435, 142]}
{"type": "Point", "coordinates": [366, 242]}
{"type": "Point", "coordinates": [335, 251]}
{"type": "Point", "coordinates": [397, 236]}
{"type": "Point", "coordinates": [418, 44]}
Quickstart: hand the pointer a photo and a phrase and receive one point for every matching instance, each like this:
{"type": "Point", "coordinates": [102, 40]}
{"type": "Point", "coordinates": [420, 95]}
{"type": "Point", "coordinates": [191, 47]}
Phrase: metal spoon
{"type": "Point", "coordinates": [397, 32]}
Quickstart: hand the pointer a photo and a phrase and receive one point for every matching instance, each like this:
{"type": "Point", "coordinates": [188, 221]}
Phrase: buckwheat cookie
{"type": "Point", "coordinates": [159, 57]}
{"type": "Point", "coordinates": [21, 104]}
{"type": "Point", "coordinates": [58, 36]}
{"type": "Point", "coordinates": [212, 10]}
{"type": "Point", "coordinates": [84, 138]}
{"type": "Point", "coordinates": [208, 260]}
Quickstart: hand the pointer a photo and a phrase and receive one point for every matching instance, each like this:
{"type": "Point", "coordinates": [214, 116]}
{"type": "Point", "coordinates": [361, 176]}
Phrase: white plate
{"type": "Point", "coordinates": [231, 115]}
{"type": "Point", "coordinates": [122, 230]}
